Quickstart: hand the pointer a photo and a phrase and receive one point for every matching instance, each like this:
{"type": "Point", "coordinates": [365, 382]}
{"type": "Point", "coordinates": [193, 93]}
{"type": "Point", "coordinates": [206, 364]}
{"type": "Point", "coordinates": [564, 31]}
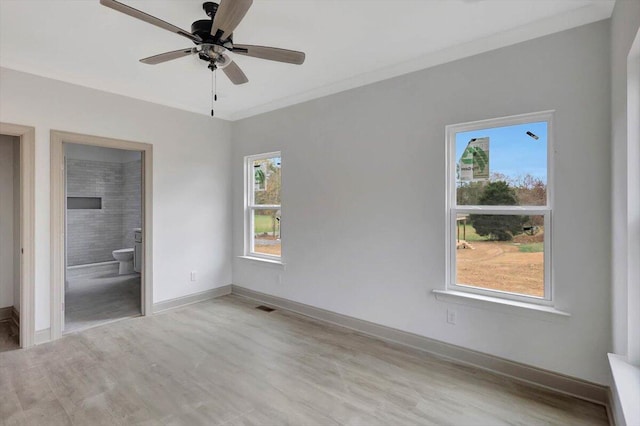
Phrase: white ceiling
{"type": "Point", "coordinates": [348, 43]}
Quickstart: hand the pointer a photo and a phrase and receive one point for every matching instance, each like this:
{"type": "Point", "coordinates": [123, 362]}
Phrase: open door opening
{"type": "Point", "coordinates": [100, 231]}
{"type": "Point", "coordinates": [10, 246]}
{"type": "Point", "coordinates": [103, 228]}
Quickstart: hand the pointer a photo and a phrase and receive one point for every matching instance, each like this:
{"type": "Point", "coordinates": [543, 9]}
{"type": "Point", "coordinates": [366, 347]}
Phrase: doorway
{"type": "Point", "coordinates": [17, 236]}
{"type": "Point", "coordinates": [101, 230]}
{"type": "Point", "coordinates": [9, 242]}
{"type": "Point", "coordinates": [103, 235]}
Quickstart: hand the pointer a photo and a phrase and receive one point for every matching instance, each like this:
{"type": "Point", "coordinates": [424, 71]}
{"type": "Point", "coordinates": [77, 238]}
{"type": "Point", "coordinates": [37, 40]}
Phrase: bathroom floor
{"type": "Point", "coordinates": [95, 300]}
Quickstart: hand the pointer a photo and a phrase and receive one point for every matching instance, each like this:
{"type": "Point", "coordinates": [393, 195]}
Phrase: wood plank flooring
{"type": "Point", "coordinates": [223, 362]}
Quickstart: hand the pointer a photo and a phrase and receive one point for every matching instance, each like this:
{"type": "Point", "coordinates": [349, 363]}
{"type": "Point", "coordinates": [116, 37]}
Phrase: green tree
{"type": "Point", "coordinates": [498, 227]}
{"type": "Point", "coordinates": [468, 193]}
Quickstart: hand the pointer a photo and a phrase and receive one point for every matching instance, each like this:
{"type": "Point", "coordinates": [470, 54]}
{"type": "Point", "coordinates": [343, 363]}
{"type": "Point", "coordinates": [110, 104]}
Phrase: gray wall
{"type": "Point", "coordinates": [376, 251]}
{"type": "Point", "coordinates": [92, 235]}
{"type": "Point", "coordinates": [191, 157]}
{"type": "Point", "coordinates": [624, 23]}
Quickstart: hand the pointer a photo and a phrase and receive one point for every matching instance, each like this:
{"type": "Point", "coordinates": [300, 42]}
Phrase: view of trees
{"type": "Point", "coordinates": [267, 175]}
{"type": "Point", "coordinates": [498, 227]}
{"type": "Point", "coordinates": [505, 191]}
{"type": "Point", "coordinates": [529, 190]}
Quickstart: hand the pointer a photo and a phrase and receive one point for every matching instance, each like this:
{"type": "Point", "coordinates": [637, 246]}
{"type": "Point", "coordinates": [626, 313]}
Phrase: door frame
{"type": "Point", "coordinates": [58, 138]}
{"type": "Point", "coordinates": [27, 136]}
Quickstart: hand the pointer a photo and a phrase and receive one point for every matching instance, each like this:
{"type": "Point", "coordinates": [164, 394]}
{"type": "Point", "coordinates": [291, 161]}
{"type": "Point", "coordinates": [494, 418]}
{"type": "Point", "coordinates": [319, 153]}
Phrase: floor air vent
{"type": "Point", "coordinates": [265, 308]}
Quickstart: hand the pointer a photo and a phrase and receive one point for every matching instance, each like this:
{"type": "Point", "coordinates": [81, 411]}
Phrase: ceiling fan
{"type": "Point", "coordinates": [213, 38]}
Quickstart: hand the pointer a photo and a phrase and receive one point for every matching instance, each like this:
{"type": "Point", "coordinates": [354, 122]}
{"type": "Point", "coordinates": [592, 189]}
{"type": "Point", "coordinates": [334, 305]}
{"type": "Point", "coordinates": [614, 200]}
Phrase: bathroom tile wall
{"type": "Point", "coordinates": [132, 207]}
{"type": "Point", "coordinates": [93, 234]}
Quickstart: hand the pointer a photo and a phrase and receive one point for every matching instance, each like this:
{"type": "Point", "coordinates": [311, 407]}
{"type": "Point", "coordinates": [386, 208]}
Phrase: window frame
{"type": "Point", "coordinates": [250, 207]}
{"type": "Point", "coordinates": [452, 209]}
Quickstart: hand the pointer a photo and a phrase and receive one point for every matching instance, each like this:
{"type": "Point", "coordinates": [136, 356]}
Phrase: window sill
{"type": "Point", "coordinates": [270, 262]}
{"type": "Point", "coordinates": [626, 378]}
{"type": "Point", "coordinates": [503, 305]}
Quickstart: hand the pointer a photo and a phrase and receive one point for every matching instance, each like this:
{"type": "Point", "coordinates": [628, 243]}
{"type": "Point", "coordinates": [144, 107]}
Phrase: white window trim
{"type": "Point", "coordinates": [250, 207]}
{"type": "Point", "coordinates": [452, 209]}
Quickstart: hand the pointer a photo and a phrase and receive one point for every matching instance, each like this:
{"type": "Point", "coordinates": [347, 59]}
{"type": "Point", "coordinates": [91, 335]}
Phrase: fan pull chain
{"type": "Point", "coordinates": [213, 89]}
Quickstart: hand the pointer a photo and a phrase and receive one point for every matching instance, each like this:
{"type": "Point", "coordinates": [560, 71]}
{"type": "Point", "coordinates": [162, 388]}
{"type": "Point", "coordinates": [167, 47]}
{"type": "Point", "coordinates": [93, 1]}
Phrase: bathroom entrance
{"type": "Point", "coordinates": [17, 236]}
{"type": "Point", "coordinates": [101, 225]}
{"type": "Point", "coordinates": [103, 235]}
{"type": "Point", "coordinates": [9, 242]}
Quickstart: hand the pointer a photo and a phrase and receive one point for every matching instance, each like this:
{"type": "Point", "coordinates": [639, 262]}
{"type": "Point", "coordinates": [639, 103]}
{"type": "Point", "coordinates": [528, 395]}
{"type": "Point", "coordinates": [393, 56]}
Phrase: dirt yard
{"type": "Point", "coordinates": [501, 266]}
{"type": "Point", "coordinates": [267, 244]}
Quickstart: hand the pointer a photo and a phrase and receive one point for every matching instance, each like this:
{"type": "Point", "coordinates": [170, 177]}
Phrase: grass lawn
{"type": "Point", "coordinates": [531, 248]}
{"type": "Point", "coordinates": [470, 234]}
{"type": "Point", "coordinates": [264, 223]}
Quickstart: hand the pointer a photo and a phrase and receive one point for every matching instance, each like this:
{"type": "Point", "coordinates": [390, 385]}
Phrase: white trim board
{"type": "Point", "coordinates": [525, 373]}
{"type": "Point", "coordinates": [191, 299]}
{"type": "Point", "coordinates": [42, 336]}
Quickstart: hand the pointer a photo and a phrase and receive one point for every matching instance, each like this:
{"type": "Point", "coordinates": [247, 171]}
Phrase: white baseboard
{"type": "Point", "coordinates": [42, 336]}
{"type": "Point", "coordinates": [190, 299]}
{"type": "Point", "coordinates": [525, 373]}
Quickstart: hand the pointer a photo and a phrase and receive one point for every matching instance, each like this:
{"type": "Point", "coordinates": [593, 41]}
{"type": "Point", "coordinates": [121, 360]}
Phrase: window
{"type": "Point", "coordinates": [263, 211]}
{"type": "Point", "coordinates": [499, 207]}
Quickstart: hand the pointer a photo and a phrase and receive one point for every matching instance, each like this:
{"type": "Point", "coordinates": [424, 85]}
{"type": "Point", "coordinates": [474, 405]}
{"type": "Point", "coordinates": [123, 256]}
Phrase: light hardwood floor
{"type": "Point", "coordinates": [225, 362]}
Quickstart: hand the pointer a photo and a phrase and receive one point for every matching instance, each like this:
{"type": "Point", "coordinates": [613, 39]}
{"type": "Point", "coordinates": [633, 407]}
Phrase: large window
{"type": "Point", "coordinates": [499, 207]}
{"type": "Point", "coordinates": [263, 211]}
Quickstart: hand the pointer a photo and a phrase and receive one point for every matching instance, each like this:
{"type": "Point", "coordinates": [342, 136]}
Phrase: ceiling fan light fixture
{"type": "Point", "coordinates": [212, 37]}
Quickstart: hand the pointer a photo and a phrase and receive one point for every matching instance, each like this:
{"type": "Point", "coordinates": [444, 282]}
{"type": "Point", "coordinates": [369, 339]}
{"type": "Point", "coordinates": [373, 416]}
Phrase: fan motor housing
{"type": "Point", "coordinates": [202, 28]}
{"type": "Point", "coordinates": [210, 8]}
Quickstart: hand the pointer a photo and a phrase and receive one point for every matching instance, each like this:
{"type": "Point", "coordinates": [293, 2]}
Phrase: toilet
{"type": "Point", "coordinates": [125, 257]}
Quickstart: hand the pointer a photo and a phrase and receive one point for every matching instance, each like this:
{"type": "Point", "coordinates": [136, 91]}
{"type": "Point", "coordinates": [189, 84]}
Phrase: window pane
{"type": "Point", "coordinates": [514, 156]}
{"type": "Point", "coordinates": [266, 180]}
{"type": "Point", "coordinates": [266, 232]}
{"type": "Point", "coordinates": [501, 252]}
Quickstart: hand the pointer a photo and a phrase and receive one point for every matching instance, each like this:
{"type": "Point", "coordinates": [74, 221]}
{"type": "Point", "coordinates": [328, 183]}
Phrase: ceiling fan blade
{"type": "Point", "coordinates": [228, 16]}
{"type": "Point", "coordinates": [233, 71]}
{"type": "Point", "coordinates": [270, 53]}
{"type": "Point", "coordinates": [167, 56]}
{"type": "Point", "coordinates": [128, 10]}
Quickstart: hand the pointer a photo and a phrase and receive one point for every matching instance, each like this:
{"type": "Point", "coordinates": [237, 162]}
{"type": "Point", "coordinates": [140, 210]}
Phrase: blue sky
{"type": "Point", "coordinates": [511, 151]}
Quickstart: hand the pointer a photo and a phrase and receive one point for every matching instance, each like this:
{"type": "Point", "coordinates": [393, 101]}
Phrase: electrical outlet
{"type": "Point", "coordinates": [193, 275]}
{"type": "Point", "coordinates": [452, 316]}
